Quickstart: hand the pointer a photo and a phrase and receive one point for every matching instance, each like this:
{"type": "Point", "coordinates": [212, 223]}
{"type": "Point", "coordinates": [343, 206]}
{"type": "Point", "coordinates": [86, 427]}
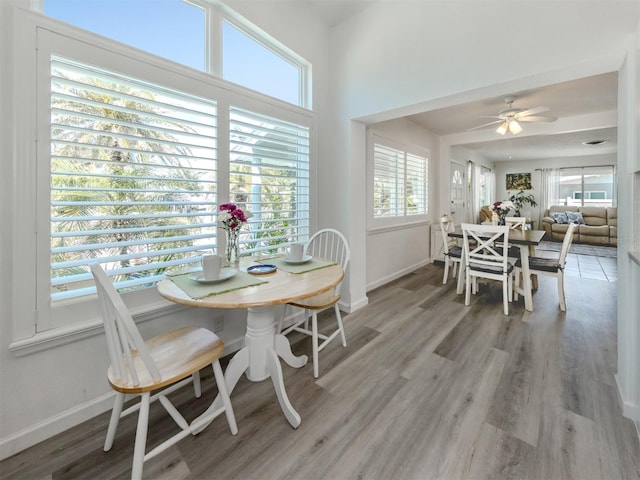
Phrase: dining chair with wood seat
{"type": "Point", "coordinates": [483, 259]}
{"type": "Point", "coordinates": [553, 267]}
{"type": "Point", "coordinates": [452, 251]}
{"type": "Point", "coordinates": [328, 244]}
{"type": "Point", "coordinates": [161, 364]}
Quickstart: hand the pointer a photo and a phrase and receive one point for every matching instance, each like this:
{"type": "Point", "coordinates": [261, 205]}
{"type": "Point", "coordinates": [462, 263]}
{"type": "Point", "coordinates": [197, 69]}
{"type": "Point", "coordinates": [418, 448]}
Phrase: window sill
{"type": "Point", "coordinates": [635, 256]}
{"type": "Point", "coordinates": [393, 228]}
{"type": "Point", "coordinates": [60, 336]}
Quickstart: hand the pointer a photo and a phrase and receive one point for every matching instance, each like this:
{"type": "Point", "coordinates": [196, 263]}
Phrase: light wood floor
{"type": "Point", "coordinates": [426, 389]}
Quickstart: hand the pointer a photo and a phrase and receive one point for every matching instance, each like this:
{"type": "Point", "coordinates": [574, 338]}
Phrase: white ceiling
{"type": "Point", "coordinates": [586, 110]}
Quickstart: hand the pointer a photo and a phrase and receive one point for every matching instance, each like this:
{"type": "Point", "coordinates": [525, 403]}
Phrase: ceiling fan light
{"type": "Point", "coordinates": [502, 129]}
{"type": "Point", "coordinates": [514, 127]}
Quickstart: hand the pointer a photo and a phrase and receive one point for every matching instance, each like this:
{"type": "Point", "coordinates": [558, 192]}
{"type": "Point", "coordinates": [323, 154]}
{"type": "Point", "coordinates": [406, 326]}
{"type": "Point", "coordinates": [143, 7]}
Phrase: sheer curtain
{"type": "Point", "coordinates": [549, 190]}
{"type": "Point", "coordinates": [472, 193]}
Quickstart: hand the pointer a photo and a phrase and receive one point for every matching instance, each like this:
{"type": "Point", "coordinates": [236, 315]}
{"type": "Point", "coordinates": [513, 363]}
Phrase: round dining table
{"type": "Point", "coordinates": [259, 358]}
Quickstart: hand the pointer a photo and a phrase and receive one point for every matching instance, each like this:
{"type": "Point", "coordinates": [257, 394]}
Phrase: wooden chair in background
{"type": "Point", "coordinates": [452, 251]}
{"type": "Point", "coordinates": [484, 260]}
{"type": "Point", "coordinates": [553, 267]}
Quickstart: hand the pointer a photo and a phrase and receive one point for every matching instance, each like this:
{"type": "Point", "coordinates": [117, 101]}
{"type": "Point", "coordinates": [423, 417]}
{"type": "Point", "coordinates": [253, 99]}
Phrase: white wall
{"type": "Point", "coordinates": [410, 244]}
{"type": "Point", "coordinates": [628, 377]}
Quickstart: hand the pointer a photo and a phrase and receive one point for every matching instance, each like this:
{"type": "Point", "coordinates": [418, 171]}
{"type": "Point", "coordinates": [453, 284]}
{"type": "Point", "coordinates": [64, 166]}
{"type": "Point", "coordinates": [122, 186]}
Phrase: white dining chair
{"type": "Point", "coordinates": [328, 244]}
{"type": "Point", "coordinates": [452, 251]}
{"type": "Point", "coordinates": [517, 222]}
{"type": "Point", "coordinates": [553, 267]}
{"type": "Point", "coordinates": [163, 363]}
{"type": "Point", "coordinates": [484, 260]}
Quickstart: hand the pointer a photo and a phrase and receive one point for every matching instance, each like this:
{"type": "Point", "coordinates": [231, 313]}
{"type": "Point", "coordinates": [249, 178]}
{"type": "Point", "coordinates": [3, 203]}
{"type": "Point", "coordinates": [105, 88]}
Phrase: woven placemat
{"type": "Point", "coordinates": [197, 290]}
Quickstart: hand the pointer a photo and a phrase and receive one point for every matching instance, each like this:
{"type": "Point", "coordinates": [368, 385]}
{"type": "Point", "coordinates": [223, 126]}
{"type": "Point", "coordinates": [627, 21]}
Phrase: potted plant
{"type": "Point", "coordinates": [519, 199]}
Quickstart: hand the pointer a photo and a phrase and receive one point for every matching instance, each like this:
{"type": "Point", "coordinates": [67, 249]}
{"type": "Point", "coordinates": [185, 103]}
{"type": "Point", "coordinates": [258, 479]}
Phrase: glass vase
{"type": "Point", "coordinates": [501, 220]}
{"type": "Point", "coordinates": [232, 252]}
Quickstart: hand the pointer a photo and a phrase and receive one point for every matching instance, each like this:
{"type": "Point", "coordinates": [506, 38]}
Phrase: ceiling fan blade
{"type": "Point", "coordinates": [531, 111]}
{"type": "Point", "coordinates": [539, 118]}
{"type": "Point", "coordinates": [485, 125]}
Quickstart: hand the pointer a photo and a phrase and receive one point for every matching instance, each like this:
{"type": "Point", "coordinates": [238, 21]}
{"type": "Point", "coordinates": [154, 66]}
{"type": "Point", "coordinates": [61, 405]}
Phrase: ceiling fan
{"type": "Point", "coordinates": [510, 118]}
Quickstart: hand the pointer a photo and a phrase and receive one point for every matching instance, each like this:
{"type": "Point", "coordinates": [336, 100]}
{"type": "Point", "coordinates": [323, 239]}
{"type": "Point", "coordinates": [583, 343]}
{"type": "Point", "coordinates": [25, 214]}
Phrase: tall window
{"type": "Point", "coordinates": [587, 186]}
{"type": "Point", "coordinates": [484, 187]}
{"type": "Point", "coordinates": [269, 176]}
{"type": "Point", "coordinates": [178, 30]}
{"type": "Point", "coordinates": [133, 178]}
{"type": "Point", "coordinates": [131, 162]}
{"type": "Point", "coordinates": [400, 182]}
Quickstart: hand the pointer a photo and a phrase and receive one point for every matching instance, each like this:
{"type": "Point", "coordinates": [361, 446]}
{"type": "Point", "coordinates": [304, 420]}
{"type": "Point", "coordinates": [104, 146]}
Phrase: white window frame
{"type": "Point", "coordinates": [377, 223]}
{"type": "Point", "coordinates": [216, 13]}
{"type": "Point", "coordinates": [31, 235]}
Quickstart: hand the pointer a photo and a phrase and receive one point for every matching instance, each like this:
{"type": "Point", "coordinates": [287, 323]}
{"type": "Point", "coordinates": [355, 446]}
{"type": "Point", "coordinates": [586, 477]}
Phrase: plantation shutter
{"type": "Point", "coordinates": [400, 182]}
{"type": "Point", "coordinates": [388, 173]}
{"type": "Point", "coordinates": [133, 178]}
{"type": "Point", "coordinates": [416, 184]}
{"type": "Point", "coordinates": [269, 177]}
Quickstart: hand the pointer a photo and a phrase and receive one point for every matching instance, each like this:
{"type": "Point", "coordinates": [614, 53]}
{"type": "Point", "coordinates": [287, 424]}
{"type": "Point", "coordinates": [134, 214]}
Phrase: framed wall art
{"type": "Point", "coordinates": [518, 181]}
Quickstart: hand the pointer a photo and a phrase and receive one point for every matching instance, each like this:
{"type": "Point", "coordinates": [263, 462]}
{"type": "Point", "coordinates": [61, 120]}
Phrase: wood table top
{"type": "Point", "coordinates": [281, 287]}
{"type": "Point", "coordinates": [516, 236]}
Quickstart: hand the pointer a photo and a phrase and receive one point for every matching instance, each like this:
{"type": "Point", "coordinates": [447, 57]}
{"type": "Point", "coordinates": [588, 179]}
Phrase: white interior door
{"type": "Point", "coordinates": [457, 189]}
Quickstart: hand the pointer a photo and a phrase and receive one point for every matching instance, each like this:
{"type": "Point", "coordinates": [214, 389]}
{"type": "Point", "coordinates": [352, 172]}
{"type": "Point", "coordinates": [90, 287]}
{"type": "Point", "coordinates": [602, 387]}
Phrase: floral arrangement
{"type": "Point", "coordinates": [503, 207]}
{"type": "Point", "coordinates": [231, 219]}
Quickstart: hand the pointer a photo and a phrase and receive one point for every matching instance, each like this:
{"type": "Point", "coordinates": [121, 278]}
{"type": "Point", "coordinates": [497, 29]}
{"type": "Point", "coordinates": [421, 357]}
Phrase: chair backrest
{"type": "Point", "coordinates": [566, 243]}
{"type": "Point", "coordinates": [480, 245]}
{"type": "Point", "coordinates": [121, 331]}
{"type": "Point", "coordinates": [330, 244]}
{"type": "Point", "coordinates": [446, 225]}
{"type": "Point", "coordinates": [516, 222]}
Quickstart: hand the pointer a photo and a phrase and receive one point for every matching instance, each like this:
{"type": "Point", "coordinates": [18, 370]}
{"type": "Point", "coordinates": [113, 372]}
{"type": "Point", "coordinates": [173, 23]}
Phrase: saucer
{"type": "Point", "coordinates": [304, 259]}
{"type": "Point", "coordinates": [261, 269]}
{"type": "Point", "coordinates": [225, 274]}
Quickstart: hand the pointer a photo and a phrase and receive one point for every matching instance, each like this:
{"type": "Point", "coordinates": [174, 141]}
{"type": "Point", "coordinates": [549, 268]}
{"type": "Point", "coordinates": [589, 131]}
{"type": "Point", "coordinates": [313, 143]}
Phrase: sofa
{"type": "Point", "coordinates": [596, 225]}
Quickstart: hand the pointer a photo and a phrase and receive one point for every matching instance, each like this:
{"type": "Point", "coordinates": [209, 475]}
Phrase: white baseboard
{"type": "Point", "coordinates": [57, 424]}
{"type": "Point", "coordinates": [629, 409]}
{"type": "Point", "coordinates": [396, 275]}
{"type": "Point", "coordinates": [80, 413]}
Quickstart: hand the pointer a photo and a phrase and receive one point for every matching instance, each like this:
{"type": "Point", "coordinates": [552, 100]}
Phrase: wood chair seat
{"type": "Point", "coordinates": [177, 354]}
{"type": "Point", "coordinates": [542, 264]}
{"type": "Point", "coordinates": [318, 302]}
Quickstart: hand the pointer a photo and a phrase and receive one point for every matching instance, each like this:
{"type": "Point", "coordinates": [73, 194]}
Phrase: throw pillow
{"type": "Point", "coordinates": [575, 217]}
{"type": "Point", "coordinates": [560, 217]}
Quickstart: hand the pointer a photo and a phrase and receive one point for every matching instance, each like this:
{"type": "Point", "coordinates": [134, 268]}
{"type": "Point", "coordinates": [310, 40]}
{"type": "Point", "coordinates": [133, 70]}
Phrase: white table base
{"type": "Point", "coordinates": [260, 360]}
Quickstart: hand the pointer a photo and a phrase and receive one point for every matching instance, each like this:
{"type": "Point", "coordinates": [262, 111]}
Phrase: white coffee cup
{"type": "Point", "coordinates": [211, 266]}
{"type": "Point", "coordinates": [296, 252]}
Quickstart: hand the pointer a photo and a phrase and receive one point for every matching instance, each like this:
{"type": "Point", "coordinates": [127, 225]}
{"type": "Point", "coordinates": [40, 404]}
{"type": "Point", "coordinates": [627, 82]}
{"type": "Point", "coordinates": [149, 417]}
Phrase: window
{"type": "Point", "coordinates": [132, 160]}
{"type": "Point", "coordinates": [400, 182]}
{"type": "Point", "coordinates": [245, 55]}
{"type": "Point", "coordinates": [484, 187]}
{"type": "Point", "coordinates": [269, 177]}
{"type": "Point", "coordinates": [587, 186]}
{"type": "Point", "coordinates": [133, 178]}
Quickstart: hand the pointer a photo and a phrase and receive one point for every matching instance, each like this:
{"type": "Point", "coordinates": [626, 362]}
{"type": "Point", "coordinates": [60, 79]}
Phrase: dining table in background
{"type": "Point", "coordinates": [526, 241]}
{"type": "Point", "coordinates": [261, 295]}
